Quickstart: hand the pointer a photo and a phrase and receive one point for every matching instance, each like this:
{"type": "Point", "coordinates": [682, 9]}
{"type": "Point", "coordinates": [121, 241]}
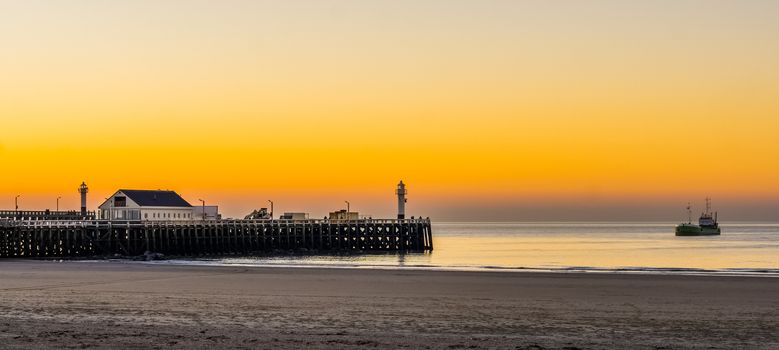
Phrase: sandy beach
{"type": "Point", "coordinates": [47, 304]}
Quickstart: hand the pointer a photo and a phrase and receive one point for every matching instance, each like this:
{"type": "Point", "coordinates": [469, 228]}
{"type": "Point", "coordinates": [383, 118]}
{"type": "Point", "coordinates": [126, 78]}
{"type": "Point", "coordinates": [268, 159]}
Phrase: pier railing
{"type": "Point", "coordinates": [45, 215]}
{"type": "Point", "coordinates": [64, 238]}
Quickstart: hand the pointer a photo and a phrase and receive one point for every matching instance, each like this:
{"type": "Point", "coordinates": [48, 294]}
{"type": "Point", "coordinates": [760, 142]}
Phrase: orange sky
{"type": "Point", "coordinates": [531, 109]}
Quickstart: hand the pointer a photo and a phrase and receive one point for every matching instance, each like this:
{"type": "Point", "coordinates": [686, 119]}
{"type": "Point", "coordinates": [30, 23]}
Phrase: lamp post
{"type": "Point", "coordinates": [271, 208]}
{"type": "Point", "coordinates": [347, 207]}
{"type": "Point", "coordinates": [204, 209]}
{"type": "Point", "coordinates": [16, 206]}
{"type": "Point", "coordinates": [58, 203]}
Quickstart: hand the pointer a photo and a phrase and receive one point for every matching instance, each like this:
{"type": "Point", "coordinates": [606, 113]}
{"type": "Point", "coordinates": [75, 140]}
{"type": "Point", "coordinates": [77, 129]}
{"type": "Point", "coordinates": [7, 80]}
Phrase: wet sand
{"type": "Point", "coordinates": [47, 304]}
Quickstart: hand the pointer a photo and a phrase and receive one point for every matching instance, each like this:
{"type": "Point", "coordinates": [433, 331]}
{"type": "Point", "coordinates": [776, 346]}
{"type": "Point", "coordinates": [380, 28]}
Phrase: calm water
{"type": "Point", "coordinates": [743, 249]}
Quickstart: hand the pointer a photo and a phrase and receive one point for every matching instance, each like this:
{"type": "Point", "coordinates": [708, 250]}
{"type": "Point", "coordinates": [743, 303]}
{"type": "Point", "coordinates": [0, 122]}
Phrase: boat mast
{"type": "Point", "coordinates": [708, 205]}
{"type": "Point", "coordinates": [689, 213]}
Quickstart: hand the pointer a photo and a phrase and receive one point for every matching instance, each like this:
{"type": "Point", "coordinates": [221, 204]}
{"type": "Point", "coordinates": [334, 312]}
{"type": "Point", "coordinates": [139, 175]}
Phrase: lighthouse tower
{"type": "Point", "coordinates": [401, 192]}
{"type": "Point", "coordinates": [83, 189]}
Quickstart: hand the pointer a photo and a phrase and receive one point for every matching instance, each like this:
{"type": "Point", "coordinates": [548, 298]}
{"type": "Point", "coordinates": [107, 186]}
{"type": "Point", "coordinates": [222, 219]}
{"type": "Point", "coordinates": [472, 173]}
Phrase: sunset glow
{"type": "Point", "coordinates": [311, 103]}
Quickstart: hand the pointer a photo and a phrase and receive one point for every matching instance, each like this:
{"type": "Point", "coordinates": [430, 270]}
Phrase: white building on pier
{"type": "Point", "coordinates": [148, 205]}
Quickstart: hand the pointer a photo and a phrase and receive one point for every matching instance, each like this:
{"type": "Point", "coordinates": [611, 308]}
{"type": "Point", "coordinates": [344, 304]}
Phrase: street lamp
{"type": "Point", "coordinates": [204, 209]}
{"type": "Point", "coordinates": [58, 203]}
{"type": "Point", "coordinates": [347, 207]}
{"type": "Point", "coordinates": [271, 208]}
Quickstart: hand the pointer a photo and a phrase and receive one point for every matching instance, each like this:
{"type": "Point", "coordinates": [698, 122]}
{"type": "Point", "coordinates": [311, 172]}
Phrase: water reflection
{"type": "Point", "coordinates": [743, 246]}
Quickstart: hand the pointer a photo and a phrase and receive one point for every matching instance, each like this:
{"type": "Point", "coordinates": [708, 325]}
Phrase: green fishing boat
{"type": "Point", "coordinates": [707, 223]}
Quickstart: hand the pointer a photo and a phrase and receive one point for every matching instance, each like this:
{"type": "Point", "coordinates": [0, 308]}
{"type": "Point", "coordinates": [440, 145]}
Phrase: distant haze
{"type": "Point", "coordinates": [489, 110]}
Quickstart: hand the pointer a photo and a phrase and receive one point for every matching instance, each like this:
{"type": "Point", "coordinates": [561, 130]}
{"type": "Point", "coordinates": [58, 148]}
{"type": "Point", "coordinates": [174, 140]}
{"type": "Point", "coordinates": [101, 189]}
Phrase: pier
{"type": "Point", "coordinates": [49, 237]}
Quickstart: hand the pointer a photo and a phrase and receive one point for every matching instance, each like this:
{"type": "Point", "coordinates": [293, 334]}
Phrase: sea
{"type": "Point", "coordinates": [743, 249]}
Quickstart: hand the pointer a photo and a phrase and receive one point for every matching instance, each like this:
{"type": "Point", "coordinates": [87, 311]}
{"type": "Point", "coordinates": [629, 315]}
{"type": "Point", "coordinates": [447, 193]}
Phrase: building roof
{"type": "Point", "coordinates": [151, 198]}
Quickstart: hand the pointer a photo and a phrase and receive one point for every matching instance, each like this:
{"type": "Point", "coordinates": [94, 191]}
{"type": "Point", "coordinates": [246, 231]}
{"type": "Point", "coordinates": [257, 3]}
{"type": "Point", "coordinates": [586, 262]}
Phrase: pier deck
{"type": "Point", "coordinates": [74, 238]}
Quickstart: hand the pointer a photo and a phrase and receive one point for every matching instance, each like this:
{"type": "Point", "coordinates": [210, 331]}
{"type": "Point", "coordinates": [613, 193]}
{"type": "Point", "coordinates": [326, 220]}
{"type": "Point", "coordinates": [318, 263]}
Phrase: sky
{"type": "Point", "coordinates": [488, 110]}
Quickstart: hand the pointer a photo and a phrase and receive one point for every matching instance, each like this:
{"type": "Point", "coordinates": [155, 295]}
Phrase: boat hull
{"type": "Point", "coordinates": [695, 230]}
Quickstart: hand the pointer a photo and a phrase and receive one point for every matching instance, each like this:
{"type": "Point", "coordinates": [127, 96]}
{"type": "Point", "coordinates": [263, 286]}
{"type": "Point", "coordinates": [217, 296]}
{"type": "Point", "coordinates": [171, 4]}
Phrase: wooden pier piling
{"type": "Point", "coordinates": [75, 238]}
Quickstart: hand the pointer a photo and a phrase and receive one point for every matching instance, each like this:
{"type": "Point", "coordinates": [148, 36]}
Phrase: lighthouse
{"type": "Point", "coordinates": [83, 189]}
{"type": "Point", "coordinates": [401, 192]}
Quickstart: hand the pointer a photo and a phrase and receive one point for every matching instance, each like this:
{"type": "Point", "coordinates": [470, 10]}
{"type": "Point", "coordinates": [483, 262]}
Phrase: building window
{"type": "Point", "coordinates": [145, 215]}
